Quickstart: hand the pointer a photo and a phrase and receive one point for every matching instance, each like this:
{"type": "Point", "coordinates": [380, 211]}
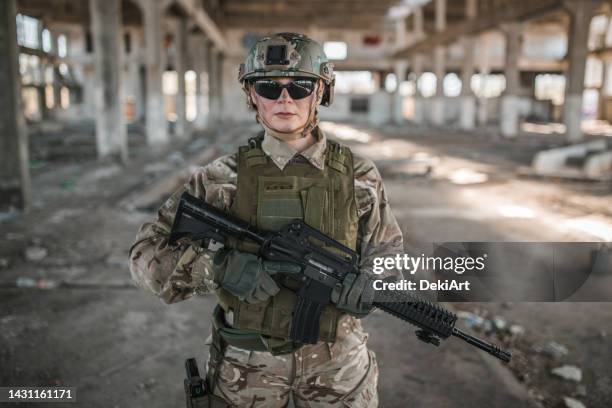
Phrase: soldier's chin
{"type": "Point", "coordinates": [286, 126]}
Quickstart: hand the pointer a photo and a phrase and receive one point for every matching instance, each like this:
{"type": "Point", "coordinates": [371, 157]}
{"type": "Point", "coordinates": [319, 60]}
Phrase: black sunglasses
{"type": "Point", "coordinates": [297, 89]}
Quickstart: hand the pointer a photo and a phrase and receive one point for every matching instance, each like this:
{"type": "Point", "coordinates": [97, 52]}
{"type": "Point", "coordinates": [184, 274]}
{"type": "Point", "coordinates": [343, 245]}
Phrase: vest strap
{"type": "Point", "coordinates": [337, 157]}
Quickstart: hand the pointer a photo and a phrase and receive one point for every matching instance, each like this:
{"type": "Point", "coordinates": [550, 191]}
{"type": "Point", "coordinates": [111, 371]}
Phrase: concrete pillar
{"type": "Point", "coordinates": [581, 12]}
{"type": "Point", "coordinates": [484, 67]}
{"type": "Point", "coordinates": [471, 9]}
{"type": "Point", "coordinates": [89, 91]}
{"type": "Point", "coordinates": [200, 121]}
{"type": "Point", "coordinates": [156, 124]}
{"type": "Point", "coordinates": [14, 172]}
{"type": "Point", "coordinates": [182, 130]}
{"type": "Point", "coordinates": [134, 84]}
{"type": "Point", "coordinates": [57, 89]}
{"type": "Point", "coordinates": [400, 33]}
{"type": "Point", "coordinates": [111, 136]}
{"type": "Point", "coordinates": [437, 103]}
{"type": "Point", "coordinates": [440, 15]}
{"type": "Point", "coordinates": [42, 106]}
{"type": "Point", "coordinates": [220, 86]}
{"type": "Point", "coordinates": [509, 117]}
{"type": "Point", "coordinates": [603, 91]}
{"type": "Point", "coordinates": [214, 82]}
{"type": "Point", "coordinates": [467, 120]}
{"type": "Point", "coordinates": [417, 70]}
{"type": "Point", "coordinates": [418, 27]}
{"type": "Point", "coordinates": [135, 78]}
{"type": "Point", "coordinates": [400, 68]}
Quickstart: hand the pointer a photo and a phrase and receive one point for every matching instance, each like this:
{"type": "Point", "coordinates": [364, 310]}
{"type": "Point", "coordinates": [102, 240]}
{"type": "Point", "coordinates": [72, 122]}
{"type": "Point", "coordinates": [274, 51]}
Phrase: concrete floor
{"type": "Point", "coordinates": [123, 347]}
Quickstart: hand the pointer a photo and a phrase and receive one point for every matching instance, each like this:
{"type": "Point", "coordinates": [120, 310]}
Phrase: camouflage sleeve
{"type": "Point", "coordinates": [379, 234]}
{"type": "Point", "coordinates": [176, 273]}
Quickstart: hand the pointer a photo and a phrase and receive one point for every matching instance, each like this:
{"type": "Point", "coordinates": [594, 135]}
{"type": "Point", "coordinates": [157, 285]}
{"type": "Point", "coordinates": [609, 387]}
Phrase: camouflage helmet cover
{"type": "Point", "coordinates": [289, 55]}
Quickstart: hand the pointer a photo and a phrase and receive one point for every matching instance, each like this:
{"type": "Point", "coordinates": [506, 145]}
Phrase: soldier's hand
{"type": "Point", "coordinates": [247, 276]}
{"type": "Point", "coordinates": [355, 295]}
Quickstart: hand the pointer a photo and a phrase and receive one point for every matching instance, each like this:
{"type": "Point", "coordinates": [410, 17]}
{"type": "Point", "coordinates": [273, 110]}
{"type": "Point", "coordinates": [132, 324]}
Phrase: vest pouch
{"type": "Point", "coordinates": [317, 211]}
{"type": "Point", "coordinates": [329, 323]}
{"type": "Point", "coordinates": [249, 316]}
{"type": "Point", "coordinates": [282, 305]}
{"type": "Point", "coordinates": [281, 200]}
{"type": "Point", "coordinates": [278, 202]}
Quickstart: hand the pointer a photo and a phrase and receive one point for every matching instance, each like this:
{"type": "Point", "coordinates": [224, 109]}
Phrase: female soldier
{"type": "Point", "coordinates": [289, 171]}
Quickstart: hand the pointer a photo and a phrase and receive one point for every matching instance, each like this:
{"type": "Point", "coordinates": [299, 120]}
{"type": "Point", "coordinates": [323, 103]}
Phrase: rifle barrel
{"type": "Point", "coordinates": [483, 345]}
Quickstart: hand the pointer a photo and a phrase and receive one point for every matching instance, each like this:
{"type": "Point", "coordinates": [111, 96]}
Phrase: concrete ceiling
{"type": "Point", "coordinates": [247, 14]}
{"type": "Point", "coordinates": [73, 11]}
{"type": "Point", "coordinates": [303, 14]}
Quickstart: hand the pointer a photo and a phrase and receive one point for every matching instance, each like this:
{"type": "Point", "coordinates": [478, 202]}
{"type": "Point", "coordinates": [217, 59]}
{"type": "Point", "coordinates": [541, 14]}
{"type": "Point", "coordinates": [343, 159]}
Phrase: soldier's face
{"type": "Point", "coordinates": [283, 114]}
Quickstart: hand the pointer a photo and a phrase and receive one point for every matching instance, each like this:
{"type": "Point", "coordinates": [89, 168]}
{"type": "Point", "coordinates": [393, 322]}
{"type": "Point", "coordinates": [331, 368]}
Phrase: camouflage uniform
{"type": "Point", "coordinates": [343, 373]}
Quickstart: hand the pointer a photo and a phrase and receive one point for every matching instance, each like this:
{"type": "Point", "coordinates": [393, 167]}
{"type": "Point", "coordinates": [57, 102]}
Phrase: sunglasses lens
{"type": "Point", "coordinates": [268, 89]}
{"type": "Point", "coordinates": [300, 88]}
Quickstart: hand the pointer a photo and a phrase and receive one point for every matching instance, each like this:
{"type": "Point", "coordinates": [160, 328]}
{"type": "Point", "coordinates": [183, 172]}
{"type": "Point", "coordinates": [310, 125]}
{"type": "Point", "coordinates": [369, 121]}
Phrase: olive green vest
{"type": "Point", "coordinates": [269, 198]}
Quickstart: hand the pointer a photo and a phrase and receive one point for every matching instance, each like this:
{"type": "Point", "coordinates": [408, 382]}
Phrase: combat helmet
{"type": "Point", "coordinates": [289, 55]}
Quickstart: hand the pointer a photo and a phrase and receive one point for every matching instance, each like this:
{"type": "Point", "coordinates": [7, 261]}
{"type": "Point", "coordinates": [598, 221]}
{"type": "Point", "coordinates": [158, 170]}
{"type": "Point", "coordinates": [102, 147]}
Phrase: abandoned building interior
{"type": "Point", "coordinates": [489, 120]}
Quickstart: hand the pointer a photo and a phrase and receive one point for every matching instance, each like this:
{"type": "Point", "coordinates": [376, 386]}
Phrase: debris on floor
{"type": "Point", "coordinates": [35, 253]}
{"type": "Point", "coordinates": [568, 372]}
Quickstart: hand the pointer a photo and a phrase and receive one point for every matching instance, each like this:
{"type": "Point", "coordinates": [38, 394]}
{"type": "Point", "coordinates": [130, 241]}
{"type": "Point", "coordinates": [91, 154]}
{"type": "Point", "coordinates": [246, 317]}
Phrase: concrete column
{"type": "Point", "coordinates": [603, 91]}
{"type": "Point", "coordinates": [581, 12]}
{"type": "Point", "coordinates": [484, 67]}
{"type": "Point", "coordinates": [400, 68]}
{"type": "Point", "coordinates": [180, 64]}
{"type": "Point", "coordinates": [437, 103]}
{"type": "Point", "coordinates": [111, 137]}
{"type": "Point", "coordinates": [136, 76]}
{"type": "Point", "coordinates": [200, 121]}
{"type": "Point", "coordinates": [155, 114]}
{"type": "Point", "coordinates": [134, 85]}
{"type": "Point", "coordinates": [220, 87]}
{"type": "Point", "coordinates": [400, 33]}
{"type": "Point", "coordinates": [468, 100]}
{"type": "Point", "coordinates": [418, 27]}
{"type": "Point", "coordinates": [89, 91]}
{"type": "Point", "coordinates": [440, 15]}
{"type": "Point", "coordinates": [417, 70]}
{"type": "Point", "coordinates": [57, 89]}
{"type": "Point", "coordinates": [471, 9]}
{"type": "Point", "coordinates": [214, 82]}
{"type": "Point", "coordinates": [55, 78]}
{"type": "Point", "coordinates": [437, 106]}
{"type": "Point", "coordinates": [14, 172]}
{"type": "Point", "coordinates": [509, 117]}
{"type": "Point", "coordinates": [42, 106]}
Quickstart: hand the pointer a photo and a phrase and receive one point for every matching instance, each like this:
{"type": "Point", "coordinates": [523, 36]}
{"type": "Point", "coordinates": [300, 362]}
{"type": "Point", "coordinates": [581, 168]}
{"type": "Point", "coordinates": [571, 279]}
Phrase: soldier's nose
{"type": "Point", "coordinates": [284, 96]}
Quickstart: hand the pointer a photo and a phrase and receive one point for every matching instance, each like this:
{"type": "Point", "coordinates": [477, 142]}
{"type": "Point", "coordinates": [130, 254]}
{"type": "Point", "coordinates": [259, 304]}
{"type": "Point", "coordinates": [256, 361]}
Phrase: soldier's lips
{"type": "Point", "coordinates": [284, 115]}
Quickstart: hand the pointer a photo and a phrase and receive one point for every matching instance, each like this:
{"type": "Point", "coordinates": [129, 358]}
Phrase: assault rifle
{"type": "Point", "coordinates": [325, 262]}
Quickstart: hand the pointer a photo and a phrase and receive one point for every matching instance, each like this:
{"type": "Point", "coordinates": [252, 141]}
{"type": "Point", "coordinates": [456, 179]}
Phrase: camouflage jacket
{"type": "Point", "coordinates": [177, 273]}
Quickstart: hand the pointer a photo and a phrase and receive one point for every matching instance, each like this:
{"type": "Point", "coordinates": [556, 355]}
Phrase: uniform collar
{"type": "Point", "coordinates": [281, 153]}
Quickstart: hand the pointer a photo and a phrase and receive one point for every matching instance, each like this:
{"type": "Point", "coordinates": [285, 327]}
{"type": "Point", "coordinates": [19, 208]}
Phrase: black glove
{"type": "Point", "coordinates": [356, 294]}
{"type": "Point", "coordinates": [247, 276]}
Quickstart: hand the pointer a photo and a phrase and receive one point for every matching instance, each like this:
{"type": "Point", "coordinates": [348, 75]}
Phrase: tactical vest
{"type": "Point", "coordinates": [269, 198]}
